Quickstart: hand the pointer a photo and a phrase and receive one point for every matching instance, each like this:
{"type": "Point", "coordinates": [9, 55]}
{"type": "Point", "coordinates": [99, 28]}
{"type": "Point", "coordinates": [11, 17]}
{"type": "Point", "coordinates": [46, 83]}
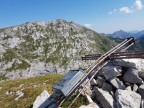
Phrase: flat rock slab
{"type": "Point", "coordinates": [117, 83]}
{"type": "Point", "coordinates": [104, 98]}
{"type": "Point", "coordinates": [127, 99]}
{"type": "Point", "coordinates": [131, 76]}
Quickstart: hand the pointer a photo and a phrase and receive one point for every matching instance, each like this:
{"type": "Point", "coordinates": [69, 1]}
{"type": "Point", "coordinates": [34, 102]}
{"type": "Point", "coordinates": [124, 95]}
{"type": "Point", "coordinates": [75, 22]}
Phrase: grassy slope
{"type": "Point", "coordinates": [32, 87]}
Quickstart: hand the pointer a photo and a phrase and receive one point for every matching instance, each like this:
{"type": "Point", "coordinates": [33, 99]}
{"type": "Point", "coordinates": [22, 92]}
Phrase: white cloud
{"type": "Point", "coordinates": [125, 10]}
{"type": "Point", "coordinates": [135, 7]}
{"type": "Point", "coordinates": [138, 5]}
{"type": "Point", "coordinates": [88, 25]}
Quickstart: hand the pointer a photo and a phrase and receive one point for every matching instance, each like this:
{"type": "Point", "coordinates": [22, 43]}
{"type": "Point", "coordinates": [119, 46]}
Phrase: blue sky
{"type": "Point", "coordinates": [104, 16]}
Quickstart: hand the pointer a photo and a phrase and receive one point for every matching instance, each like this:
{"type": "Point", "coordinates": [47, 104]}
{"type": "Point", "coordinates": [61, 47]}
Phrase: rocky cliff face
{"type": "Point", "coordinates": [37, 48]}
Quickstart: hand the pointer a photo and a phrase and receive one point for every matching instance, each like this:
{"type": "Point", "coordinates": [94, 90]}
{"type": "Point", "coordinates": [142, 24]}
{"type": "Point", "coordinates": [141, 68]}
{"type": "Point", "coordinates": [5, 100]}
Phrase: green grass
{"type": "Point", "coordinates": [31, 88]}
{"type": "Point", "coordinates": [8, 55]}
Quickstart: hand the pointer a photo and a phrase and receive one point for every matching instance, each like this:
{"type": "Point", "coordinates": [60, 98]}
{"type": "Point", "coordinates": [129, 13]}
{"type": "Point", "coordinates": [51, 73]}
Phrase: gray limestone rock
{"type": "Point", "coordinates": [141, 90]}
{"type": "Point", "coordinates": [124, 63]}
{"type": "Point", "coordinates": [128, 88]}
{"type": "Point", "coordinates": [117, 83]}
{"type": "Point", "coordinates": [132, 63]}
{"type": "Point", "coordinates": [38, 103]}
{"type": "Point", "coordinates": [107, 87]}
{"type": "Point", "coordinates": [104, 98]}
{"type": "Point", "coordinates": [110, 72]}
{"type": "Point", "coordinates": [127, 99]}
{"type": "Point", "coordinates": [131, 76]}
{"type": "Point", "coordinates": [135, 88]}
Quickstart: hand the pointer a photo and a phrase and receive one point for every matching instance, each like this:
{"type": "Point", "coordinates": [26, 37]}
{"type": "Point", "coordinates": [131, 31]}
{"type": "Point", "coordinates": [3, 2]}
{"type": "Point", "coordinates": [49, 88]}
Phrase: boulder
{"type": "Point", "coordinates": [38, 103]}
{"type": "Point", "coordinates": [117, 83]}
{"type": "Point", "coordinates": [127, 99]}
{"type": "Point", "coordinates": [141, 90]}
{"type": "Point", "coordinates": [133, 63]}
{"type": "Point", "coordinates": [107, 87]}
{"type": "Point", "coordinates": [104, 98]}
{"type": "Point", "coordinates": [124, 63]}
{"type": "Point", "coordinates": [138, 63]}
{"type": "Point", "coordinates": [131, 76]}
{"type": "Point", "coordinates": [110, 72]}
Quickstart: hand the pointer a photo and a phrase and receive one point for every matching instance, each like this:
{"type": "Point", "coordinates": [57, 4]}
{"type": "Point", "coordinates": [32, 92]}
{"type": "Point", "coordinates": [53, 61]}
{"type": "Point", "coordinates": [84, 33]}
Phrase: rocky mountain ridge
{"type": "Point", "coordinates": [38, 48]}
{"type": "Point", "coordinates": [121, 34]}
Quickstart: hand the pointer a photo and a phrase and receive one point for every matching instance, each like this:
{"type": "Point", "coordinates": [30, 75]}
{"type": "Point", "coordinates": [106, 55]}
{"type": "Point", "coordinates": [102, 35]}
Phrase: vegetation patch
{"type": "Point", "coordinates": [31, 88]}
{"type": "Point", "coordinates": [8, 55]}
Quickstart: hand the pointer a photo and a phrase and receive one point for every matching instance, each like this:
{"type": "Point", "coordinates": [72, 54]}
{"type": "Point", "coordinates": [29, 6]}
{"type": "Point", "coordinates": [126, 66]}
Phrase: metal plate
{"type": "Point", "coordinates": [68, 81]}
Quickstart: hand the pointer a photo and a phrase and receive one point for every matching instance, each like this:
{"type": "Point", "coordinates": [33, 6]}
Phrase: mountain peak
{"type": "Point", "coordinates": [120, 31]}
{"type": "Point", "coordinates": [41, 47]}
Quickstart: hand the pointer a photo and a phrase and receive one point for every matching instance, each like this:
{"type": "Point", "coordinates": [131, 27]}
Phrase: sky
{"type": "Point", "coordinates": [103, 16]}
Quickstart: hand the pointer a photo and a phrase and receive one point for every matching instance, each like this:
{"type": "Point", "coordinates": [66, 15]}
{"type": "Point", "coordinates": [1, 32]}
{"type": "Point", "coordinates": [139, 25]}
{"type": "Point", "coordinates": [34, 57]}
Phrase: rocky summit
{"type": "Point", "coordinates": [38, 48]}
{"type": "Point", "coordinates": [119, 84]}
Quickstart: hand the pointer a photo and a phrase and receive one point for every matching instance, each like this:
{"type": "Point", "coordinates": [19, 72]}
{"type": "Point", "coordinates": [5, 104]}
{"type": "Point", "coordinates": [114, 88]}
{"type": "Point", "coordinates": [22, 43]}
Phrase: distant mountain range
{"type": "Point", "coordinates": [38, 48]}
{"type": "Point", "coordinates": [121, 35]}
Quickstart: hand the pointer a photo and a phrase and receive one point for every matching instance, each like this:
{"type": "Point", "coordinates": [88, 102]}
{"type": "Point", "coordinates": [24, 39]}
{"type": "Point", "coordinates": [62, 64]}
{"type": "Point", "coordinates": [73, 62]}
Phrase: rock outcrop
{"type": "Point", "coordinates": [119, 85]}
{"type": "Point", "coordinates": [131, 76]}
